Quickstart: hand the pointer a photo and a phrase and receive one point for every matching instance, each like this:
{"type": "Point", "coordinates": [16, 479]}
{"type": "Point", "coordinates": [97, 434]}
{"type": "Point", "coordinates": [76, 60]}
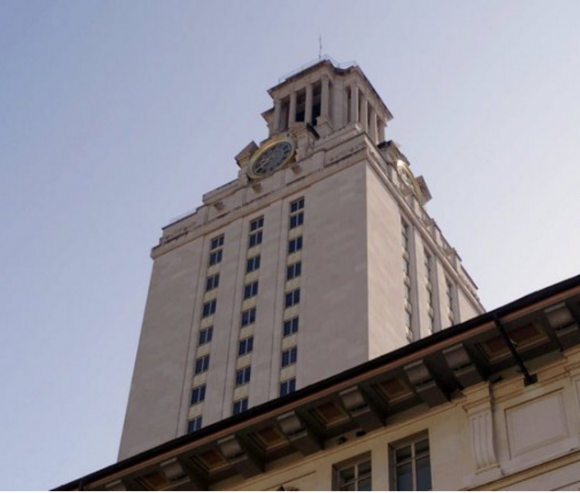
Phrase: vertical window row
{"type": "Point", "coordinates": [289, 350]}
{"type": "Point", "coordinates": [248, 315]}
{"type": "Point", "coordinates": [405, 236]}
{"type": "Point", "coordinates": [450, 304]}
{"type": "Point", "coordinates": [430, 295]}
{"type": "Point", "coordinates": [205, 335]}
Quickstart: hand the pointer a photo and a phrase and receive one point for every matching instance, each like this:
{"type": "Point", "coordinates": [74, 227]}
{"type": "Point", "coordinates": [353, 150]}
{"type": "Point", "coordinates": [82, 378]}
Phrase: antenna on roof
{"type": "Point", "coordinates": [320, 47]}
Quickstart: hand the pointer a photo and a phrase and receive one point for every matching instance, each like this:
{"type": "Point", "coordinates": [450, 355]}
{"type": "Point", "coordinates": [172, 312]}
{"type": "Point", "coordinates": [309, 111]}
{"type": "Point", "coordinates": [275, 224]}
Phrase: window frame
{"type": "Point", "coordinates": [356, 463]}
{"type": "Point", "coordinates": [209, 308]}
{"type": "Point", "coordinates": [289, 357]}
{"type": "Point", "coordinates": [257, 224]}
{"type": "Point", "coordinates": [252, 264]}
{"type": "Point", "coordinates": [212, 282]}
{"type": "Point", "coordinates": [243, 376]}
{"type": "Point", "coordinates": [197, 395]}
{"type": "Point", "coordinates": [251, 290]}
{"type": "Point", "coordinates": [297, 205]}
{"type": "Point", "coordinates": [292, 298]}
{"type": "Point", "coordinates": [242, 405]}
{"type": "Point", "coordinates": [290, 326]}
{"type": "Point", "coordinates": [201, 365]}
{"type": "Point", "coordinates": [248, 317]}
{"type": "Point", "coordinates": [216, 242]}
{"type": "Point", "coordinates": [205, 335]}
{"type": "Point", "coordinates": [245, 346]}
{"type": "Point", "coordinates": [255, 238]}
{"type": "Point", "coordinates": [393, 464]}
{"type": "Point", "coordinates": [289, 386]}
{"type": "Point", "coordinates": [295, 245]}
{"type": "Point", "coordinates": [194, 425]}
{"type": "Point", "coordinates": [294, 270]}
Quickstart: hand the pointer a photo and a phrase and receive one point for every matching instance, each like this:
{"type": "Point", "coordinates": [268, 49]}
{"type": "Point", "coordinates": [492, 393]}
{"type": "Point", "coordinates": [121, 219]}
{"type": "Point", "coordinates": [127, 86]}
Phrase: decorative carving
{"type": "Point", "coordinates": [482, 433]}
{"type": "Point", "coordinates": [482, 439]}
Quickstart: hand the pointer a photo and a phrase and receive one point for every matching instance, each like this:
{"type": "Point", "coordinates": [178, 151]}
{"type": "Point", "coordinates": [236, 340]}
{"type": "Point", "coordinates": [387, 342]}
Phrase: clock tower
{"type": "Point", "coordinates": [319, 256]}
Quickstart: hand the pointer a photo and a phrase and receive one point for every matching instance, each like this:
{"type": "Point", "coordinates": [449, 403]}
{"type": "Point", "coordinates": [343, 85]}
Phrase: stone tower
{"type": "Point", "coordinates": [318, 257]}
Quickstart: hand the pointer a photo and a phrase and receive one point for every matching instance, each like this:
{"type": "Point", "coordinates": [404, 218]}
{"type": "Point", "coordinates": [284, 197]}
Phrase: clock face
{"type": "Point", "coordinates": [409, 180]}
{"type": "Point", "coordinates": [271, 157]}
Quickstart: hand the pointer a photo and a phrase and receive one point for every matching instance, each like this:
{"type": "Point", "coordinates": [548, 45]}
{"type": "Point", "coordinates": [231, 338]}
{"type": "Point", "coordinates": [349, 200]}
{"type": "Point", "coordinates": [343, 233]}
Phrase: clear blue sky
{"type": "Point", "coordinates": [116, 117]}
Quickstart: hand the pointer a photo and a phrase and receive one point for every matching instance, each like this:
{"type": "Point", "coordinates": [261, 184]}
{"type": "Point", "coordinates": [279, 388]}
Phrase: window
{"type": "Point", "coordinates": [297, 205]}
{"type": "Point", "coordinates": [292, 298]}
{"type": "Point", "coordinates": [243, 376]}
{"type": "Point", "coordinates": [194, 425]}
{"type": "Point", "coordinates": [209, 308]}
{"type": "Point", "coordinates": [212, 282]}
{"type": "Point", "coordinates": [293, 271]}
{"type": "Point", "coordinates": [411, 465]}
{"type": "Point", "coordinates": [215, 253]}
{"type": "Point", "coordinates": [290, 327]}
{"type": "Point", "coordinates": [257, 224]}
{"type": "Point", "coordinates": [355, 475]}
{"type": "Point", "coordinates": [253, 264]}
{"type": "Point", "coordinates": [254, 239]}
{"type": "Point", "coordinates": [287, 387]}
{"type": "Point", "coordinates": [248, 317]}
{"type": "Point", "coordinates": [217, 243]}
{"type": "Point", "coordinates": [201, 365]}
{"type": "Point", "coordinates": [205, 336]}
{"type": "Point", "coordinates": [289, 356]}
{"type": "Point", "coordinates": [295, 245]}
{"type": "Point", "coordinates": [296, 219]}
{"type": "Point", "coordinates": [198, 395]}
{"type": "Point", "coordinates": [245, 346]}
{"type": "Point", "coordinates": [241, 406]}
{"type": "Point", "coordinates": [251, 290]}
{"type": "Point", "coordinates": [215, 257]}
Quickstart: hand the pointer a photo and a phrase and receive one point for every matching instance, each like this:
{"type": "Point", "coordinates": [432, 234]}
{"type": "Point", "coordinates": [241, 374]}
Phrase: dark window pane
{"type": "Point", "coordinates": [365, 484]}
{"type": "Point", "coordinates": [405, 477]}
{"type": "Point", "coordinates": [364, 468]}
{"type": "Point", "coordinates": [421, 447]}
{"type": "Point", "coordinates": [404, 453]}
{"type": "Point", "coordinates": [347, 475]}
{"type": "Point", "coordinates": [423, 474]}
{"type": "Point", "coordinates": [217, 242]}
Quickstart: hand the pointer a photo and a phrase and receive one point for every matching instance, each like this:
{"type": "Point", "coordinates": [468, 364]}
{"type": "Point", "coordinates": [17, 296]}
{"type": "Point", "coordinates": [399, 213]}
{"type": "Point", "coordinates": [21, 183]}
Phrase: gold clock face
{"type": "Point", "coordinates": [409, 180]}
{"type": "Point", "coordinates": [272, 156]}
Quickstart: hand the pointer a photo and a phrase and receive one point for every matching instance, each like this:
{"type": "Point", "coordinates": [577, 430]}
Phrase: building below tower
{"type": "Point", "coordinates": [488, 404]}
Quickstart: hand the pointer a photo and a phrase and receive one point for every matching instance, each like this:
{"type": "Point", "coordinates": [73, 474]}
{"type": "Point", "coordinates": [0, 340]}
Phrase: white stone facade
{"type": "Point", "coordinates": [502, 436]}
{"type": "Point", "coordinates": [352, 291]}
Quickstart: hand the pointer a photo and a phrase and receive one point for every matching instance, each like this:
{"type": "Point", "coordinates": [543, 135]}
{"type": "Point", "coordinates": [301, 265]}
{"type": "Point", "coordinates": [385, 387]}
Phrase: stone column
{"type": "Point", "coordinates": [308, 109]}
{"type": "Point", "coordinates": [364, 116]}
{"type": "Point", "coordinates": [292, 110]}
{"type": "Point", "coordinates": [325, 97]}
{"type": "Point", "coordinates": [277, 112]}
{"type": "Point", "coordinates": [381, 130]}
{"type": "Point", "coordinates": [479, 411]}
{"type": "Point", "coordinates": [354, 116]}
{"type": "Point", "coordinates": [373, 126]}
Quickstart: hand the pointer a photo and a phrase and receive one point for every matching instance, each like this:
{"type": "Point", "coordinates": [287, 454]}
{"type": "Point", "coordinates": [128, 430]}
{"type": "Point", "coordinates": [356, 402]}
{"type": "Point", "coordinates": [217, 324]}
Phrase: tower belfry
{"type": "Point", "coordinates": [319, 256]}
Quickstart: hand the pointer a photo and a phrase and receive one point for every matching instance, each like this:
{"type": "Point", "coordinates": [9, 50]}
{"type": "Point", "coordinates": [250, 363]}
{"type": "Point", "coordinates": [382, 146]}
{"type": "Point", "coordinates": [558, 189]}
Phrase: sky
{"type": "Point", "coordinates": [117, 116]}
